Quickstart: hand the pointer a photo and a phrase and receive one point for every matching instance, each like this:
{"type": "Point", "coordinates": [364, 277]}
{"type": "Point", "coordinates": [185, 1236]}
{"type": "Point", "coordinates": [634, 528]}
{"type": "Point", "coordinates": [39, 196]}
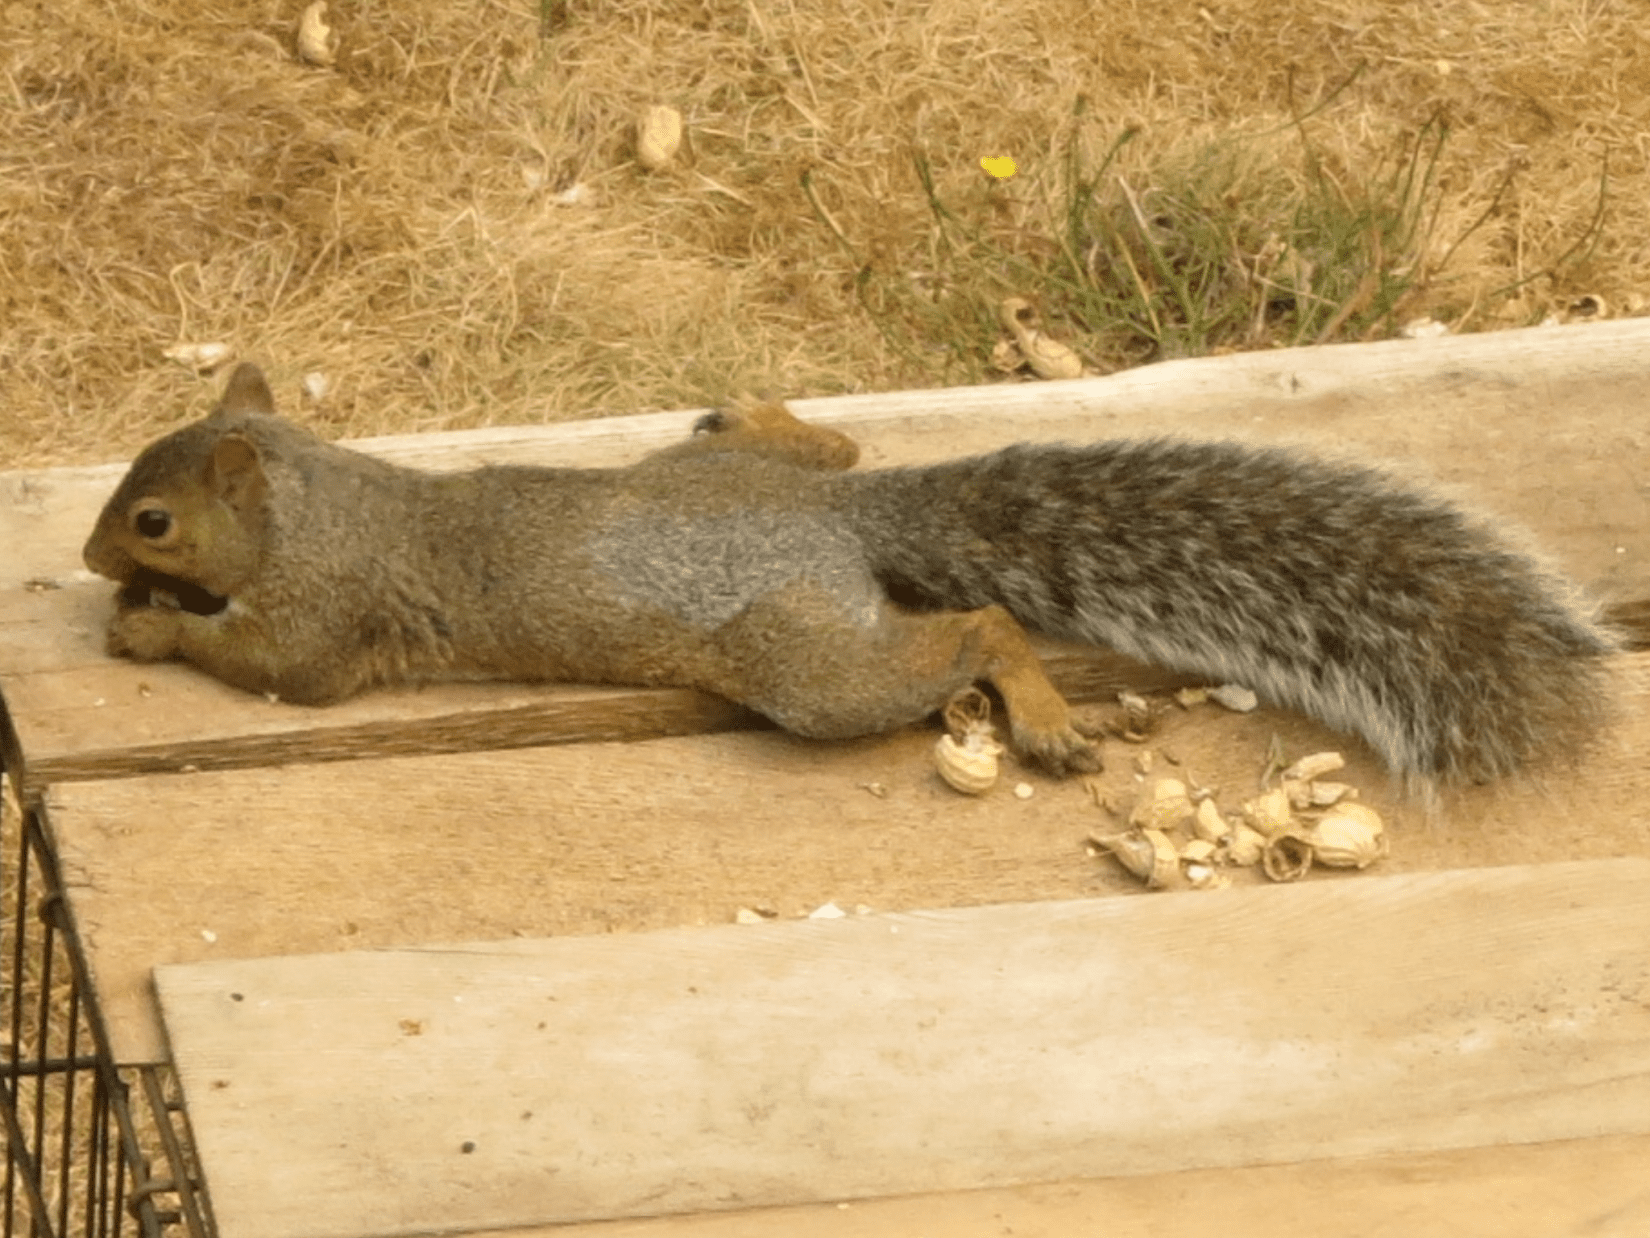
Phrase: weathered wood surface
{"type": "Point", "coordinates": [596, 838]}
{"type": "Point", "coordinates": [1545, 427]}
{"type": "Point", "coordinates": [1586, 1188]}
{"type": "Point", "coordinates": [526, 1082]}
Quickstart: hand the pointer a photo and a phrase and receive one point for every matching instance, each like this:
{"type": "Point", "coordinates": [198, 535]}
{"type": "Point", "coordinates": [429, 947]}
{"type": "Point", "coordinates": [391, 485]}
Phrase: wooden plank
{"type": "Point", "coordinates": [598, 838]}
{"type": "Point", "coordinates": [1476, 414]}
{"type": "Point", "coordinates": [529, 1082]}
{"type": "Point", "coordinates": [1583, 1188]}
{"type": "Point", "coordinates": [97, 717]}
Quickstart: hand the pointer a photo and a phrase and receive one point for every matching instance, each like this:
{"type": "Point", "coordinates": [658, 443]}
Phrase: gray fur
{"type": "Point", "coordinates": [707, 569]}
{"type": "Point", "coordinates": [1323, 586]}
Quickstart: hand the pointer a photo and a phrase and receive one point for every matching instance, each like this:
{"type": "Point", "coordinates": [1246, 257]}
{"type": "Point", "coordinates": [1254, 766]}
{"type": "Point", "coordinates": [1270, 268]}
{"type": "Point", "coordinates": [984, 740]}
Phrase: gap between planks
{"type": "Point", "coordinates": [594, 838]}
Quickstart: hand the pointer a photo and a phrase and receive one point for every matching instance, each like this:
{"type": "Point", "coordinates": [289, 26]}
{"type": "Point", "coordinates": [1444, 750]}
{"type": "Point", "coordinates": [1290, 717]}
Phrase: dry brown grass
{"type": "Point", "coordinates": [169, 172]}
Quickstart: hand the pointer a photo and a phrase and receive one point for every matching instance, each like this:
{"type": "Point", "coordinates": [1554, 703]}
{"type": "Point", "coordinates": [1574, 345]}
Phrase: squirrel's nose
{"type": "Point", "coordinates": [108, 561]}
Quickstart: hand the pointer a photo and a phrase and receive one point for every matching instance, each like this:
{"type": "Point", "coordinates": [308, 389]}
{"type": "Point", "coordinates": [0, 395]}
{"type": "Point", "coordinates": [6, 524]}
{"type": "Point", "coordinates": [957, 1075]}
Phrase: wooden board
{"type": "Point", "coordinates": [110, 718]}
{"type": "Point", "coordinates": [1543, 427]}
{"type": "Point", "coordinates": [450, 1088]}
{"type": "Point", "coordinates": [1540, 426]}
{"type": "Point", "coordinates": [598, 838]}
{"type": "Point", "coordinates": [1585, 1188]}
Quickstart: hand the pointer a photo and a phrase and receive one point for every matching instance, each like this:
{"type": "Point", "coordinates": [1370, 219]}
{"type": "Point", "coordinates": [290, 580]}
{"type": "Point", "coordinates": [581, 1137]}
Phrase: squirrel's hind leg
{"type": "Point", "coordinates": [770, 430]}
{"type": "Point", "coordinates": [1040, 722]}
{"type": "Point", "coordinates": [819, 671]}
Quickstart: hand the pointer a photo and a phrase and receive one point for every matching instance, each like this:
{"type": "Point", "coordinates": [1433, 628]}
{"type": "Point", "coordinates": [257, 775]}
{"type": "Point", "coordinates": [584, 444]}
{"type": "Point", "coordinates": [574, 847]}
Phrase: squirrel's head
{"type": "Point", "coordinates": [192, 507]}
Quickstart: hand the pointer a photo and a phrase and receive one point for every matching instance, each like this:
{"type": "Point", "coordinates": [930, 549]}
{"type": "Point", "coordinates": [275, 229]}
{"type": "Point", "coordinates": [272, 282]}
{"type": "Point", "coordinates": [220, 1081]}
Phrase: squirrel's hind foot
{"type": "Point", "coordinates": [768, 429]}
{"type": "Point", "coordinates": [1063, 753]}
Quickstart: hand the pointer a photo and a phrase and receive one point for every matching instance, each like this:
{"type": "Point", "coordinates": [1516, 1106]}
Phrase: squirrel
{"type": "Point", "coordinates": [752, 561]}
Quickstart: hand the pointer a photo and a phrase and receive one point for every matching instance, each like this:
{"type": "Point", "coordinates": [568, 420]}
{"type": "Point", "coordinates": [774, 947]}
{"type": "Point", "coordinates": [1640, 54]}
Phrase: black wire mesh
{"type": "Point", "coordinates": [90, 1149]}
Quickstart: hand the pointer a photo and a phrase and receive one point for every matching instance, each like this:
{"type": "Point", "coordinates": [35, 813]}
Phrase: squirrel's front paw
{"type": "Point", "coordinates": [143, 633]}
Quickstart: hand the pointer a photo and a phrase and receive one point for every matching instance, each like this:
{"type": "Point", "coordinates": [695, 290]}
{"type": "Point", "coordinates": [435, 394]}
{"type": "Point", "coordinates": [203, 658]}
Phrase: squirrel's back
{"type": "Point", "coordinates": [1325, 586]}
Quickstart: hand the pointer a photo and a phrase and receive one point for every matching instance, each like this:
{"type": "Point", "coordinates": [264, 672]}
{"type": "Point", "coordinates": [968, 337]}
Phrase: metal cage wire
{"type": "Point", "coordinates": [91, 1149]}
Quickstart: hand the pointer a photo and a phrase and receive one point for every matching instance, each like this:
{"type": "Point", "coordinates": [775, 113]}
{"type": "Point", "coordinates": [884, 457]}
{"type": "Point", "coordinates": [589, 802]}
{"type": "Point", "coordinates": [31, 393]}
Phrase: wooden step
{"type": "Point", "coordinates": [388, 849]}
{"type": "Point", "coordinates": [597, 838]}
{"type": "Point", "coordinates": [458, 1087]}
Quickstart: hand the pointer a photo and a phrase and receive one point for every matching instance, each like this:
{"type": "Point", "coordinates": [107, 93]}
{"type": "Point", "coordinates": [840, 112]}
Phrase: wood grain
{"type": "Point", "coordinates": [524, 1082]}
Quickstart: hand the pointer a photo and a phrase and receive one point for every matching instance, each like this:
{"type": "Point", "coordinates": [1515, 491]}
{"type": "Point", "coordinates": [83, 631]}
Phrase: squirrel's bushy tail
{"type": "Point", "coordinates": [1323, 586]}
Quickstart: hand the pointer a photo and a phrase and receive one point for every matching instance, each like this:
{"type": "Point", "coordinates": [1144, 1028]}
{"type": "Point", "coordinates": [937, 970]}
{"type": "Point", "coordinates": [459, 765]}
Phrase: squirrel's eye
{"type": "Point", "coordinates": [152, 522]}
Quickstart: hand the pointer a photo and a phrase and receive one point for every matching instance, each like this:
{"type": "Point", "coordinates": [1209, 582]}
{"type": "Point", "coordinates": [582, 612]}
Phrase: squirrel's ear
{"type": "Point", "coordinates": [235, 473]}
{"type": "Point", "coordinates": [247, 392]}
